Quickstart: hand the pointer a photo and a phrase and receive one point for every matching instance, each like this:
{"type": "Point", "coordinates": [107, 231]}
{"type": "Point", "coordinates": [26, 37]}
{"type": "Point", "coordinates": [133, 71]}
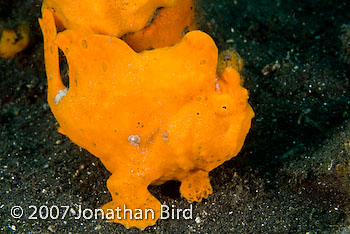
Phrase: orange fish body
{"type": "Point", "coordinates": [150, 117]}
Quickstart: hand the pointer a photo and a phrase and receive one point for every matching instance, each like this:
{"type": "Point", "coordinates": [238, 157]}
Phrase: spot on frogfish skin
{"type": "Point", "coordinates": [165, 136]}
{"type": "Point", "coordinates": [134, 140]}
{"type": "Point", "coordinates": [60, 95]}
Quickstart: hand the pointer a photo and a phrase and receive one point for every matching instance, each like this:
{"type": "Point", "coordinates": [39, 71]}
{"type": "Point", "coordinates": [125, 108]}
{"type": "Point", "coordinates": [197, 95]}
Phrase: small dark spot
{"type": "Point", "coordinates": [93, 144]}
{"type": "Point", "coordinates": [203, 61]}
{"type": "Point", "coordinates": [197, 113]}
{"type": "Point", "coordinates": [84, 44]}
{"type": "Point", "coordinates": [139, 125]}
{"type": "Point", "coordinates": [104, 66]}
{"type": "Point", "coordinates": [224, 107]}
{"type": "Point", "coordinates": [117, 194]}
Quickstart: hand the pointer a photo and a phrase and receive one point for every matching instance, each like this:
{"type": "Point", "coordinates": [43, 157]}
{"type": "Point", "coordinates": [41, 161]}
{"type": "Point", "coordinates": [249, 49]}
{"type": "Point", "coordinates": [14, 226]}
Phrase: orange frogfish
{"type": "Point", "coordinates": [150, 117]}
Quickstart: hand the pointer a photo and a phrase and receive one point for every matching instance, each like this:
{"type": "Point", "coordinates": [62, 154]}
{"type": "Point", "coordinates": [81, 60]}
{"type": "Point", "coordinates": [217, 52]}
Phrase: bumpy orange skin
{"type": "Point", "coordinates": [107, 17]}
{"type": "Point", "coordinates": [166, 29]}
{"type": "Point", "coordinates": [150, 117]}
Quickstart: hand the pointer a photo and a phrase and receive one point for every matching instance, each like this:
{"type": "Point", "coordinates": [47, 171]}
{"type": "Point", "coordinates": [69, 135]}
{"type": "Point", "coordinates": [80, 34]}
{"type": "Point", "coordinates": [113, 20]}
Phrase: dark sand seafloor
{"type": "Point", "coordinates": [293, 173]}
